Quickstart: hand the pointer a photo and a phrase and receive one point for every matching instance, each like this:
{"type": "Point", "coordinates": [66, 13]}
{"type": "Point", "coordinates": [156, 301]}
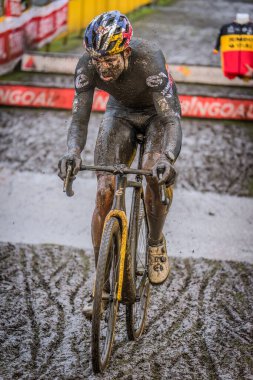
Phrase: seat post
{"type": "Point", "coordinates": [140, 140]}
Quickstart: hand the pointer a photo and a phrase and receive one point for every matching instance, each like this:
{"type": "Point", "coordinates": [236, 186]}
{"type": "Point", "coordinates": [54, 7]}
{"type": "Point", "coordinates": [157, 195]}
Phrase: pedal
{"type": "Point", "coordinates": [139, 272]}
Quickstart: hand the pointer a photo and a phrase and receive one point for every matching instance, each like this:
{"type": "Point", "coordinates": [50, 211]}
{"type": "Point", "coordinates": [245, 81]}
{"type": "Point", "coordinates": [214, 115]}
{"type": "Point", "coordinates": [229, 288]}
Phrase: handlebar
{"type": "Point", "coordinates": [115, 169]}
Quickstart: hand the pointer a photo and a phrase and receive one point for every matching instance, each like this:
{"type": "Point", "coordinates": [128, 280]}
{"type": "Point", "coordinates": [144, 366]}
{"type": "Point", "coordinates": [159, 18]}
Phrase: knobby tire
{"type": "Point", "coordinates": [138, 237]}
{"type": "Point", "coordinates": [105, 310]}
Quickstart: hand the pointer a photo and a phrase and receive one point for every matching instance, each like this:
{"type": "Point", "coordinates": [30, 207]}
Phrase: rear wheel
{"type": "Point", "coordinates": [138, 236]}
{"type": "Point", "coordinates": [105, 305]}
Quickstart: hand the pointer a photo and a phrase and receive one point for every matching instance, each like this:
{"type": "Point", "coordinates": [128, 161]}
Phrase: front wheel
{"type": "Point", "coordinates": [105, 305]}
{"type": "Point", "coordinates": [136, 312]}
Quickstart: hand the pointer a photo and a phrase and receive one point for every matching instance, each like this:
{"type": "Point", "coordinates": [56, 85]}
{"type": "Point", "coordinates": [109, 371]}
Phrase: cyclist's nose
{"type": "Point", "coordinates": [105, 65]}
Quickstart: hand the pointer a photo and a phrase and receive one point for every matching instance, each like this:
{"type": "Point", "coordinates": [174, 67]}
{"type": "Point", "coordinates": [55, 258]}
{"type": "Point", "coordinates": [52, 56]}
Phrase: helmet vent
{"type": "Point", "coordinates": [111, 45]}
{"type": "Point", "coordinates": [108, 33]}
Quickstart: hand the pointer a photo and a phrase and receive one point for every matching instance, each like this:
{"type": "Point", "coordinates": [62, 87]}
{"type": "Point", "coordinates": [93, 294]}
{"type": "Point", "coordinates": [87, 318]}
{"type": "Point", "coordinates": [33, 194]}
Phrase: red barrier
{"type": "Point", "coordinates": [34, 28]}
{"type": "Point", "coordinates": [61, 98]}
{"type": "Point", "coordinates": [12, 8]}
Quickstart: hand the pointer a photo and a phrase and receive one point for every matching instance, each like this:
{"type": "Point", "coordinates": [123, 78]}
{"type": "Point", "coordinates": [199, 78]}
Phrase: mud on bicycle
{"type": "Point", "coordinates": [122, 268]}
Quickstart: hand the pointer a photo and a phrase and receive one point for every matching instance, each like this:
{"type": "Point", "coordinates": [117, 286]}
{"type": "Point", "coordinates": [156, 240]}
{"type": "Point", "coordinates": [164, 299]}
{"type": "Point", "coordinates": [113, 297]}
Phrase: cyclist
{"type": "Point", "coordinates": [143, 99]}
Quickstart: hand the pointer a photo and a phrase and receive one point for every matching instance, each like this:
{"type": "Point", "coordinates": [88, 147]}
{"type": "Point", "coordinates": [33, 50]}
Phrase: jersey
{"type": "Point", "coordinates": [236, 44]}
{"type": "Point", "coordinates": [146, 74]}
{"type": "Point", "coordinates": [144, 84]}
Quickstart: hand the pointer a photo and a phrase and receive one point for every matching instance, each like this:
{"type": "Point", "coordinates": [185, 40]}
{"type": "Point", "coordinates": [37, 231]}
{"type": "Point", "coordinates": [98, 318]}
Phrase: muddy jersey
{"type": "Point", "coordinates": [236, 44]}
{"type": "Point", "coordinates": [144, 85]}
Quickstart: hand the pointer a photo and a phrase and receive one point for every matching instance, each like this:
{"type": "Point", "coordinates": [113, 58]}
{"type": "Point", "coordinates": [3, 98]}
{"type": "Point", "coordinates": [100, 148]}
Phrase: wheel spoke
{"type": "Point", "coordinates": [105, 304]}
{"type": "Point", "coordinates": [136, 313]}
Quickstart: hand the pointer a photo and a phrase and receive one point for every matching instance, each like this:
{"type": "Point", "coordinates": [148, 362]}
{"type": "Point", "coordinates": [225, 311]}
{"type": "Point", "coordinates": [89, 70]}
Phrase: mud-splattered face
{"type": "Point", "coordinates": [110, 67]}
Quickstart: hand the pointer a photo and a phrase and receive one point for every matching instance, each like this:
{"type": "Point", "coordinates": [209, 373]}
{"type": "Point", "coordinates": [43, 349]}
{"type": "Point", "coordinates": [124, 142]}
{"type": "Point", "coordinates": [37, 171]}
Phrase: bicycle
{"type": "Point", "coordinates": [121, 275]}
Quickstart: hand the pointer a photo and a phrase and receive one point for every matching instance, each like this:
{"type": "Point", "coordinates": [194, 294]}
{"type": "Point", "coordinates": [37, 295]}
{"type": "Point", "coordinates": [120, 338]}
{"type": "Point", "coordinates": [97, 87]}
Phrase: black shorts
{"type": "Point", "coordinates": [116, 142]}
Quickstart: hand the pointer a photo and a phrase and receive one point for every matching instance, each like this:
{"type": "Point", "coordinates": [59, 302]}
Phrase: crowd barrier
{"type": "Point", "coordinates": [32, 29]}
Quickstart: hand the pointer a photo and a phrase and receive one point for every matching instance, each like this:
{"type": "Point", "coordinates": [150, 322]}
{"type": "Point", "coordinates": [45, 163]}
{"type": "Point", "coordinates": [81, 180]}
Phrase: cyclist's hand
{"type": "Point", "coordinates": [164, 171]}
{"type": "Point", "coordinates": [74, 160]}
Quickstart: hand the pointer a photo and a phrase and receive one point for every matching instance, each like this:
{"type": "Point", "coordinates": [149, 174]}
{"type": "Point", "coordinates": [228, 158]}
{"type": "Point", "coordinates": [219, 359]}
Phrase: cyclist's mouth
{"type": "Point", "coordinates": [106, 77]}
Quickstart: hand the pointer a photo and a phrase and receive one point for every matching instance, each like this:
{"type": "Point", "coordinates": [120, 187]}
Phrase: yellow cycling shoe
{"type": "Point", "coordinates": [158, 263]}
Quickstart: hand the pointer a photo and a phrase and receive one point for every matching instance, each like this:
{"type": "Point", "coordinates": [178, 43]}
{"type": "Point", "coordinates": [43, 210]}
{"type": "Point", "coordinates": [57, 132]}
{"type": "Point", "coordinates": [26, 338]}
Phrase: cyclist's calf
{"type": "Point", "coordinates": [104, 198]}
{"type": "Point", "coordinates": [105, 191]}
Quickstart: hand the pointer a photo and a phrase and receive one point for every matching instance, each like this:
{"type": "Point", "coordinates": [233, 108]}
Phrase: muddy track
{"type": "Point", "coordinates": [216, 156]}
{"type": "Point", "coordinates": [199, 323]}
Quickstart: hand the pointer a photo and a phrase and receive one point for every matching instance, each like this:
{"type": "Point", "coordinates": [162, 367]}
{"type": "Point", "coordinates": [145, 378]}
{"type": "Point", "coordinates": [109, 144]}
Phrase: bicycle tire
{"type": "Point", "coordinates": [105, 311]}
{"type": "Point", "coordinates": [138, 234]}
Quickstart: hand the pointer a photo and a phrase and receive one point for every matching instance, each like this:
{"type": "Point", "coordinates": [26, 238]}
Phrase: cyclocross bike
{"type": "Point", "coordinates": [121, 273]}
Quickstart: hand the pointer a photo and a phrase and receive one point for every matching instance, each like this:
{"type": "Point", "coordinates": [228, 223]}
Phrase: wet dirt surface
{"type": "Point", "coordinates": [199, 324]}
{"type": "Point", "coordinates": [216, 156]}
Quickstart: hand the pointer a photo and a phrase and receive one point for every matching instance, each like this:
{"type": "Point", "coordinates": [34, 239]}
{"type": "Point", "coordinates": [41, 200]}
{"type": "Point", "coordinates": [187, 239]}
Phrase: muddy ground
{"type": "Point", "coordinates": [216, 155]}
{"type": "Point", "coordinates": [200, 322]}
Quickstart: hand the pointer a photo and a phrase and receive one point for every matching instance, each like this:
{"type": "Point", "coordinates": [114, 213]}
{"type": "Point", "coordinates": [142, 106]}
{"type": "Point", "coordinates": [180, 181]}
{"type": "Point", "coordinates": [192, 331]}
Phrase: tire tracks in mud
{"type": "Point", "coordinates": [199, 323]}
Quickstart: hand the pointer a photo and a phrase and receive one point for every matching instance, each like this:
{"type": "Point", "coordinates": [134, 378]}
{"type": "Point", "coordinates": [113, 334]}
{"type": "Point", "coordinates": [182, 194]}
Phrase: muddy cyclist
{"type": "Point", "coordinates": [143, 99]}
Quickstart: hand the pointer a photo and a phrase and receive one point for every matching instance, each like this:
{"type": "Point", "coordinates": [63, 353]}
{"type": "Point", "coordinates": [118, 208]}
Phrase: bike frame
{"type": "Point", "coordinates": [118, 209]}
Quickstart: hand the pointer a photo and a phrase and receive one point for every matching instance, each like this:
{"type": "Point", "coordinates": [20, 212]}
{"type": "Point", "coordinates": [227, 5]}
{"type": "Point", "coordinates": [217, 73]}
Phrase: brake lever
{"type": "Point", "coordinates": [68, 181]}
{"type": "Point", "coordinates": [162, 188]}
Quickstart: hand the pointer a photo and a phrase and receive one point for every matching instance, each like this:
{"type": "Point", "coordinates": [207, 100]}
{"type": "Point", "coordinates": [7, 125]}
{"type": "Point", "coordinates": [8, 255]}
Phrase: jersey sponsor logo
{"type": "Point", "coordinates": [234, 42]}
{"type": "Point", "coordinates": [163, 105]}
{"type": "Point", "coordinates": [156, 80]}
{"type": "Point", "coordinates": [168, 90]}
{"type": "Point", "coordinates": [81, 81]}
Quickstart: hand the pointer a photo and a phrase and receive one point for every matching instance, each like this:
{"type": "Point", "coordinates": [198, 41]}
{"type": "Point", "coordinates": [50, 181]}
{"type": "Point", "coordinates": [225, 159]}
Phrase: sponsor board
{"type": "Point", "coordinates": [216, 108]}
{"type": "Point", "coordinates": [62, 98]}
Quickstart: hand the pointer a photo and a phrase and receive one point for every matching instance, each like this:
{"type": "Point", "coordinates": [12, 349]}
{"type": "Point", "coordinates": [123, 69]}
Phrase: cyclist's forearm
{"type": "Point", "coordinates": [168, 108]}
{"type": "Point", "coordinates": [77, 136]}
{"type": "Point", "coordinates": [78, 129]}
{"type": "Point", "coordinates": [172, 139]}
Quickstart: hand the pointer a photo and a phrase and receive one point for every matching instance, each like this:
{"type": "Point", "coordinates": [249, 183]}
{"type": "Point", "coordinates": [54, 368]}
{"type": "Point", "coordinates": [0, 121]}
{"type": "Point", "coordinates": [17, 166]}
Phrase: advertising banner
{"type": "Point", "coordinates": [216, 108]}
{"type": "Point", "coordinates": [12, 8]}
{"type": "Point", "coordinates": [43, 24]}
{"type": "Point", "coordinates": [62, 98]}
{"type": "Point", "coordinates": [34, 28]}
{"type": "Point", "coordinates": [11, 43]}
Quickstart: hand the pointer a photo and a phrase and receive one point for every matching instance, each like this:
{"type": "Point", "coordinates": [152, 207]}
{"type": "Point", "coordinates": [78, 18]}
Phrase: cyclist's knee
{"type": "Point", "coordinates": [105, 190]}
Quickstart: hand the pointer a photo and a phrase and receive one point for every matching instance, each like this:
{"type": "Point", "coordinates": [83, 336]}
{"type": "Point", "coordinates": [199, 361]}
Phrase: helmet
{"type": "Point", "coordinates": [108, 33]}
